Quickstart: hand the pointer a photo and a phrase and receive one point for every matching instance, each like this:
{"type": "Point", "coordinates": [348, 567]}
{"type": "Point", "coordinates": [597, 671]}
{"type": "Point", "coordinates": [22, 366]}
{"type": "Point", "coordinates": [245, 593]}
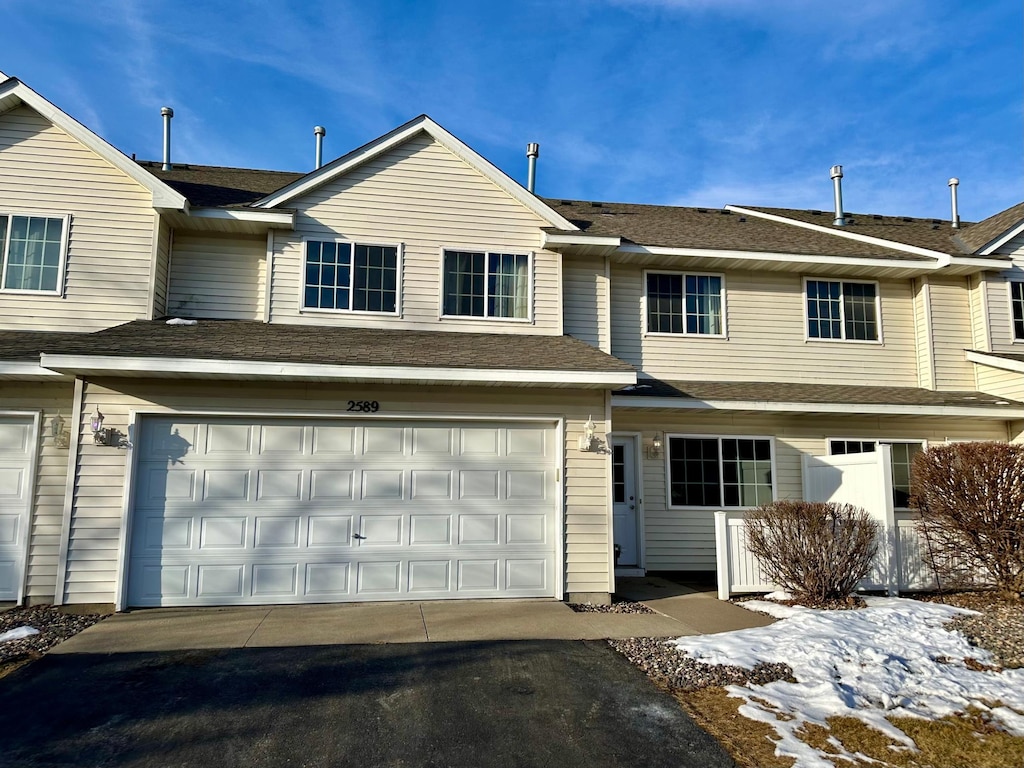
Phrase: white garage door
{"type": "Point", "coordinates": [16, 453]}
{"type": "Point", "coordinates": [231, 511]}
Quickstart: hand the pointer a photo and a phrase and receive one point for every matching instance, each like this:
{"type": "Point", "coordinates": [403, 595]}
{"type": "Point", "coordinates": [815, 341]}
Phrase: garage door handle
{"type": "Point", "coordinates": [358, 536]}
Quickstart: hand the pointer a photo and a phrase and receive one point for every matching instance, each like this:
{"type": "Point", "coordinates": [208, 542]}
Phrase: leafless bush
{"type": "Point", "coordinates": [817, 551]}
{"type": "Point", "coordinates": [971, 500]}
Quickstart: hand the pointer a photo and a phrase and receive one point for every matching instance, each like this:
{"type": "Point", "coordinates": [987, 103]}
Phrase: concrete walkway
{"type": "Point", "coordinates": [680, 610]}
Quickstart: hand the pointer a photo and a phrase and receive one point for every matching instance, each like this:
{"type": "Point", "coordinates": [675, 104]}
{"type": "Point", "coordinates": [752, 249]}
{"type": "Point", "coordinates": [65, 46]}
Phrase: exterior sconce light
{"type": "Point", "coordinates": [588, 439]}
{"type": "Point", "coordinates": [654, 449]}
{"type": "Point", "coordinates": [101, 436]}
{"type": "Point", "coordinates": [61, 439]}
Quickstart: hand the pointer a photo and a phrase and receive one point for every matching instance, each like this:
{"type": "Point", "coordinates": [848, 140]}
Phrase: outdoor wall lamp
{"type": "Point", "coordinates": [654, 449]}
{"type": "Point", "coordinates": [588, 439]}
{"type": "Point", "coordinates": [60, 436]}
{"type": "Point", "coordinates": [101, 436]}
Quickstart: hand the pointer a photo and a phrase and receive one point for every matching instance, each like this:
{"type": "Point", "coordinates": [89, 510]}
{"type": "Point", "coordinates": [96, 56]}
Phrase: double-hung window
{"type": "Point", "coordinates": [903, 453]}
{"type": "Point", "coordinates": [1017, 307]}
{"type": "Point", "coordinates": [687, 304]}
{"type": "Point", "coordinates": [32, 252]}
{"type": "Point", "coordinates": [353, 277]}
{"type": "Point", "coordinates": [838, 309]}
{"type": "Point", "coordinates": [486, 284]}
{"type": "Point", "coordinates": [720, 471]}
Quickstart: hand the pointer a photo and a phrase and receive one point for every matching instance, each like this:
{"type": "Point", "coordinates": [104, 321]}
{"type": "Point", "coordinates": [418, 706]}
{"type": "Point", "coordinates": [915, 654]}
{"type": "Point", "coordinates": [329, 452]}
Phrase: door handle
{"type": "Point", "coordinates": [632, 506]}
{"type": "Point", "coordinates": [358, 536]}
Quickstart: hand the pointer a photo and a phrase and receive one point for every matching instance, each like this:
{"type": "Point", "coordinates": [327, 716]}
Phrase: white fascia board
{"type": "Point", "coordinates": [255, 369]}
{"type": "Point", "coordinates": [892, 245]}
{"type": "Point", "coordinates": [163, 195]}
{"type": "Point", "coordinates": [794, 258]}
{"type": "Point", "coordinates": [570, 239]}
{"type": "Point", "coordinates": [278, 219]}
{"type": "Point", "coordinates": [980, 264]}
{"type": "Point", "coordinates": [1002, 240]}
{"type": "Point", "coordinates": [995, 412]}
{"type": "Point", "coordinates": [28, 369]}
{"type": "Point", "coordinates": [398, 136]}
{"type": "Point", "coordinates": [992, 361]}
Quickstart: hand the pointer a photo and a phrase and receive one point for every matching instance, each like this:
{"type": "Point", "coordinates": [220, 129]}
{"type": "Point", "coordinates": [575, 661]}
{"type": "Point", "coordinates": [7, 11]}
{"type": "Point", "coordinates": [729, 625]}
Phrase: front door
{"type": "Point", "coordinates": [624, 502]}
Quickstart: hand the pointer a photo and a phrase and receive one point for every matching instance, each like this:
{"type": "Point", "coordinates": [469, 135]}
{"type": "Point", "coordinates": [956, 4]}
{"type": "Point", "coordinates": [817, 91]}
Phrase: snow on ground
{"type": "Point", "coordinates": [876, 662]}
{"type": "Point", "coordinates": [18, 633]}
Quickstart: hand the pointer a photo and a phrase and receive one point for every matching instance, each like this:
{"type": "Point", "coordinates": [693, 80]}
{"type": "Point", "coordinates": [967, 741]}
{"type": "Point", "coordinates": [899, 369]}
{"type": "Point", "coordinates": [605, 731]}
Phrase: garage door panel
{"type": "Point", "coordinates": [274, 580]}
{"type": "Point", "coordinates": [527, 442]}
{"type": "Point", "coordinates": [429, 576]}
{"type": "Point", "coordinates": [331, 484]}
{"type": "Point", "coordinates": [228, 439]}
{"type": "Point", "coordinates": [432, 441]}
{"type": "Point", "coordinates": [330, 531]}
{"type": "Point", "coordinates": [223, 532]}
{"type": "Point", "coordinates": [478, 529]}
{"type": "Point", "coordinates": [278, 532]}
{"type": "Point", "coordinates": [478, 441]}
{"type": "Point", "coordinates": [383, 484]}
{"type": "Point", "coordinates": [279, 484]}
{"type": "Point", "coordinates": [431, 484]}
{"type": "Point", "coordinates": [526, 574]}
{"type": "Point", "coordinates": [334, 441]}
{"type": "Point", "coordinates": [221, 581]}
{"type": "Point", "coordinates": [289, 440]}
{"type": "Point", "coordinates": [226, 484]}
{"type": "Point", "coordinates": [526, 529]}
{"type": "Point", "coordinates": [327, 580]}
{"type": "Point", "coordinates": [430, 530]}
{"type": "Point", "coordinates": [525, 484]}
{"type": "Point", "coordinates": [378, 578]}
{"type": "Point", "coordinates": [478, 575]}
{"type": "Point", "coordinates": [387, 441]}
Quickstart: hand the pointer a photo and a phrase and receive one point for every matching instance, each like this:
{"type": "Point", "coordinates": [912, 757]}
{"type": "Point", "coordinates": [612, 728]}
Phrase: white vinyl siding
{"type": "Point", "coordinates": [109, 253]}
{"type": "Point", "coordinates": [217, 276]}
{"type": "Point", "coordinates": [100, 489]}
{"type": "Point", "coordinates": [585, 301]}
{"type": "Point", "coordinates": [421, 195]}
{"type": "Point", "coordinates": [684, 539]}
{"type": "Point", "coordinates": [767, 338]}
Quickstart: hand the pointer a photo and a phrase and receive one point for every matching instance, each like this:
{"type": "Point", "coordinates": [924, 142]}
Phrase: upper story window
{"type": "Point", "coordinates": [902, 452]}
{"type": "Point", "coordinates": [484, 284]}
{"type": "Point", "coordinates": [720, 471]}
{"type": "Point", "coordinates": [32, 252]}
{"type": "Point", "coordinates": [1017, 305]}
{"type": "Point", "coordinates": [683, 303]}
{"type": "Point", "coordinates": [842, 310]}
{"type": "Point", "coordinates": [351, 277]}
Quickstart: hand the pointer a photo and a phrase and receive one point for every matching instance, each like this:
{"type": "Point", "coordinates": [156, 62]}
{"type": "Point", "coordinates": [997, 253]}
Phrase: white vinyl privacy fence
{"type": "Point", "coordinates": [862, 479]}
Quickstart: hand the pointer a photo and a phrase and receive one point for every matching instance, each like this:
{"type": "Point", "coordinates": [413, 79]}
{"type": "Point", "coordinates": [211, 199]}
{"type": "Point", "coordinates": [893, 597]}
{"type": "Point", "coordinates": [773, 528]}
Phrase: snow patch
{"type": "Point", "coordinates": [18, 633]}
{"type": "Point", "coordinates": [778, 610]}
{"type": "Point", "coordinates": [181, 321]}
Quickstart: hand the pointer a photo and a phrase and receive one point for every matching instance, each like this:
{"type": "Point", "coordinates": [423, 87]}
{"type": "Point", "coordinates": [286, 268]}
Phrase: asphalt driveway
{"type": "Point", "coordinates": [527, 703]}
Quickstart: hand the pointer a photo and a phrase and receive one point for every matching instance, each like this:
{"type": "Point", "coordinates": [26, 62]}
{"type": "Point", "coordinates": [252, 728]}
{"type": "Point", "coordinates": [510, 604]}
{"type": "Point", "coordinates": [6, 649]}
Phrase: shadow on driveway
{"type": "Point", "coordinates": [530, 703]}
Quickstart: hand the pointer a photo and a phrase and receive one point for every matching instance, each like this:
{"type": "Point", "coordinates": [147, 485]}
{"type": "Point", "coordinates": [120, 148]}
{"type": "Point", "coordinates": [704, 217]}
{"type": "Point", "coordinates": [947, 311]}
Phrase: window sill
{"type": "Point", "coordinates": [667, 335]}
{"type": "Point", "coordinates": [865, 342]}
{"type": "Point", "coordinates": [346, 312]}
{"type": "Point", "coordinates": [483, 319]}
{"type": "Point", "coordinates": [24, 292]}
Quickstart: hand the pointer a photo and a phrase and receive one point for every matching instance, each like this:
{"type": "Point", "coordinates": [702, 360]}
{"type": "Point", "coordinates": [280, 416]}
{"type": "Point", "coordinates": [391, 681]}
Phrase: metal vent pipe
{"type": "Point", "coordinates": [319, 131]}
{"type": "Point", "coordinates": [167, 113]}
{"type": "Point", "coordinates": [532, 153]}
{"type": "Point", "coordinates": [953, 184]}
{"type": "Point", "coordinates": [836, 174]}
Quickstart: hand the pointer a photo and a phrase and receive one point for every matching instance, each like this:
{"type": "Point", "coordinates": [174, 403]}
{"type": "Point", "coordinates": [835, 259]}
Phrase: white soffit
{"type": "Point", "coordinates": [163, 195]}
{"type": "Point", "coordinates": [399, 135]}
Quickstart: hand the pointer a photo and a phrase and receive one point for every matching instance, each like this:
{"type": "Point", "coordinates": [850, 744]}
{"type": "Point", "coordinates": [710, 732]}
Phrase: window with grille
{"type": "Point", "coordinates": [485, 284]}
{"type": "Point", "coordinates": [351, 276]}
{"type": "Point", "coordinates": [1017, 306]}
{"type": "Point", "coordinates": [842, 310]}
{"type": "Point", "coordinates": [720, 471]}
{"type": "Point", "coordinates": [685, 304]}
{"type": "Point", "coordinates": [32, 252]}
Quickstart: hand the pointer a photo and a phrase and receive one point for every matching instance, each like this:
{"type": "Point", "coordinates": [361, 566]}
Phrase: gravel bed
{"type": "Point", "coordinates": [54, 627]}
{"type": "Point", "coordinates": [617, 606]}
{"type": "Point", "coordinates": [677, 671]}
{"type": "Point", "coordinates": [998, 627]}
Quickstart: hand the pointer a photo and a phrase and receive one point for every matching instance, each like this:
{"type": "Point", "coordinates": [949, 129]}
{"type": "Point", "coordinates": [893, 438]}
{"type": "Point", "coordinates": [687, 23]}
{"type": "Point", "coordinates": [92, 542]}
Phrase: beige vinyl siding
{"type": "Point", "coordinates": [99, 490]}
{"type": "Point", "coordinates": [218, 276]}
{"type": "Point", "coordinates": [51, 476]}
{"type": "Point", "coordinates": [43, 170]}
{"type": "Point", "coordinates": [423, 197]}
{"type": "Point", "coordinates": [951, 333]}
{"type": "Point", "coordinates": [765, 321]}
{"type": "Point", "coordinates": [684, 539]}
{"type": "Point", "coordinates": [979, 322]}
{"type": "Point", "coordinates": [923, 334]}
{"type": "Point", "coordinates": [585, 300]}
{"type": "Point", "coordinates": [999, 311]}
{"type": "Point", "coordinates": [161, 267]}
{"type": "Point", "coordinates": [995, 381]}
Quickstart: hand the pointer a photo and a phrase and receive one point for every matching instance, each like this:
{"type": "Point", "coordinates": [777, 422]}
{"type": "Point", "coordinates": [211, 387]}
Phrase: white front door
{"type": "Point", "coordinates": [17, 446]}
{"type": "Point", "coordinates": [624, 502]}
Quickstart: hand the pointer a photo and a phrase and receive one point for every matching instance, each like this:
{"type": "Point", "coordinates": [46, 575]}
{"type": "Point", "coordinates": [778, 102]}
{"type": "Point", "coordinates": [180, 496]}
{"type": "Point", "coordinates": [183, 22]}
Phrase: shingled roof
{"type": "Point", "coordinates": [328, 345]}
{"type": "Point", "coordinates": [28, 345]}
{"type": "Point", "coordinates": [986, 231]}
{"type": "Point", "coordinates": [212, 186]}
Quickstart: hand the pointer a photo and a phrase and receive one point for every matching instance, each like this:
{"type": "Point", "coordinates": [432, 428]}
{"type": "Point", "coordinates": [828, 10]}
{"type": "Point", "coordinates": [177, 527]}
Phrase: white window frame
{"type": "Point", "coordinates": [721, 475]}
{"type": "Point", "coordinates": [530, 278]}
{"type": "Point", "coordinates": [62, 266]}
{"type": "Point", "coordinates": [353, 243]}
{"type": "Point", "coordinates": [1009, 297]}
{"type": "Point", "coordinates": [842, 311]}
{"type": "Point", "coordinates": [722, 298]}
{"type": "Point", "coordinates": [877, 441]}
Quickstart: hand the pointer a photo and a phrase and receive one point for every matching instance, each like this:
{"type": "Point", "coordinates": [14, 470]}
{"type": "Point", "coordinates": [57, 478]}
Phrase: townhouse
{"type": "Point", "coordinates": [404, 376]}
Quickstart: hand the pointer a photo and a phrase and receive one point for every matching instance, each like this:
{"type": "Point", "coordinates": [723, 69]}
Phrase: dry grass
{"type": "Point", "coordinates": [966, 741]}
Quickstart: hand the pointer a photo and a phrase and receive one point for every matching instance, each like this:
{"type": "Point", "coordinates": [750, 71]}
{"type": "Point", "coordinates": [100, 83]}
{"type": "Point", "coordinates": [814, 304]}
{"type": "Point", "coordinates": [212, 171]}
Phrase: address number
{"type": "Point", "coordinates": [364, 406]}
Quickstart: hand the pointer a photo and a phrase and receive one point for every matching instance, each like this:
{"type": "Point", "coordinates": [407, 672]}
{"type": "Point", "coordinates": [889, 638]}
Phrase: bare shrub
{"type": "Point", "coordinates": [817, 551]}
{"type": "Point", "coordinates": [971, 500]}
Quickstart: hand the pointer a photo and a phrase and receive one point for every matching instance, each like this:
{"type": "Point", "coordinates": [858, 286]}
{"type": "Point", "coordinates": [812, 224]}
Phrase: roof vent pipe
{"type": "Point", "coordinates": [319, 131]}
{"type": "Point", "coordinates": [836, 174]}
{"type": "Point", "coordinates": [532, 153]}
{"type": "Point", "coordinates": [953, 184]}
{"type": "Point", "coordinates": [167, 113]}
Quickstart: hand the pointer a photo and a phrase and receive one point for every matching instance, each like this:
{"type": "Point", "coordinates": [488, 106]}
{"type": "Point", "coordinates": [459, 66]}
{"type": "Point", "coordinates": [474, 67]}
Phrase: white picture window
{"type": "Point", "coordinates": [839, 309]}
{"type": "Point", "coordinates": [706, 471]}
{"type": "Point", "coordinates": [350, 277]}
{"type": "Point", "coordinates": [1017, 308]}
{"type": "Point", "coordinates": [685, 303]}
{"type": "Point", "coordinates": [903, 453]}
{"type": "Point", "coordinates": [32, 252]}
{"type": "Point", "coordinates": [486, 284]}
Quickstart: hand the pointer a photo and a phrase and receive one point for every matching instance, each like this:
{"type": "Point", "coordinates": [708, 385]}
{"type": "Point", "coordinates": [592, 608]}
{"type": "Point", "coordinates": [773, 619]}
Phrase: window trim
{"type": "Point", "coordinates": [645, 320]}
{"type": "Point", "coordinates": [721, 482]}
{"type": "Point", "coordinates": [65, 237]}
{"type": "Point", "coordinates": [923, 442]}
{"type": "Point", "coordinates": [530, 267]}
{"type": "Point", "coordinates": [1014, 338]}
{"type": "Point", "coordinates": [399, 264]}
{"type": "Point", "coordinates": [880, 341]}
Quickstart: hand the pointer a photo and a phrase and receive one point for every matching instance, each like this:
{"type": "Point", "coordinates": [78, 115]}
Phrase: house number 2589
{"type": "Point", "coordinates": [364, 406]}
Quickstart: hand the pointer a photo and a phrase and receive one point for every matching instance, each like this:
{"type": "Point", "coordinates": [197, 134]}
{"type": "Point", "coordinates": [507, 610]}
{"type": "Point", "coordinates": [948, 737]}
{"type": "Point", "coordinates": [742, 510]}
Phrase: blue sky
{"type": "Point", "coordinates": [688, 102]}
